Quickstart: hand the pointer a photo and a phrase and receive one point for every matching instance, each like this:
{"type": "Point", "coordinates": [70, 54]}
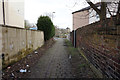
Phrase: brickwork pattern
{"type": "Point", "coordinates": [101, 46]}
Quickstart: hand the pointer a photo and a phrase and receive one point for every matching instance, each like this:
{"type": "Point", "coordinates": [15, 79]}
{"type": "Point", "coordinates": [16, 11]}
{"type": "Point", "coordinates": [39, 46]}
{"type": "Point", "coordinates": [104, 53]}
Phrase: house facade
{"type": "Point", "coordinates": [80, 18]}
{"type": "Point", "coordinates": [12, 13]}
{"type": "Point", "coordinates": [1, 12]}
{"type": "Point", "coordinates": [84, 17]}
{"type": "Point", "coordinates": [88, 15]}
{"type": "Point", "coordinates": [62, 33]}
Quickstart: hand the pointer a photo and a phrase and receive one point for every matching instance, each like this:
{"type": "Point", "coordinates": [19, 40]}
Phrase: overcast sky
{"type": "Point", "coordinates": [63, 10]}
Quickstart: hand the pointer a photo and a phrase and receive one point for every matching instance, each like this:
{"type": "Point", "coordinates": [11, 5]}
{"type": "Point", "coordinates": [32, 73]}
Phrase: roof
{"type": "Point", "coordinates": [87, 8]}
{"type": "Point", "coordinates": [67, 28]}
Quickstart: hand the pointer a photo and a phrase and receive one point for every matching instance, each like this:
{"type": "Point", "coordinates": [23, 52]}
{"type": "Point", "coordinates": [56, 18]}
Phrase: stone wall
{"type": "Point", "coordinates": [101, 46]}
{"type": "Point", "coordinates": [17, 43]}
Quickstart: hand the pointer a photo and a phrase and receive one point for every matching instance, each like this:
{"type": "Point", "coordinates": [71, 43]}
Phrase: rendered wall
{"type": "Point", "coordinates": [1, 12]}
{"type": "Point", "coordinates": [17, 43]}
{"type": "Point", "coordinates": [14, 13]}
{"type": "Point", "coordinates": [80, 19]}
{"type": "Point", "coordinates": [0, 47]}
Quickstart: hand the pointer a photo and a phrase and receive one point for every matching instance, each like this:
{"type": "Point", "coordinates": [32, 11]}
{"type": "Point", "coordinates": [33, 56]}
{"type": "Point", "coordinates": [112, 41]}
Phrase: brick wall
{"type": "Point", "coordinates": [101, 45]}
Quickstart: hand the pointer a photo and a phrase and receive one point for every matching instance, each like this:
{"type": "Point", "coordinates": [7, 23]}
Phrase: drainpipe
{"type": "Point", "coordinates": [74, 35]}
{"type": "Point", "coordinates": [3, 5]}
{"type": "Point", "coordinates": [74, 39]}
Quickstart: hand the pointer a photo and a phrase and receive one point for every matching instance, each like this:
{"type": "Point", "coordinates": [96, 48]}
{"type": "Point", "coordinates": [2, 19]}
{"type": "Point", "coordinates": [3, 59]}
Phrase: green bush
{"type": "Point", "coordinates": [45, 24]}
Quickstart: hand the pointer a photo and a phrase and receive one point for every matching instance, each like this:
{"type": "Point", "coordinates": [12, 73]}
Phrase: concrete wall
{"type": "Point", "coordinates": [14, 13]}
{"type": "Point", "coordinates": [17, 43]}
{"type": "Point", "coordinates": [80, 19]}
{"type": "Point", "coordinates": [0, 47]}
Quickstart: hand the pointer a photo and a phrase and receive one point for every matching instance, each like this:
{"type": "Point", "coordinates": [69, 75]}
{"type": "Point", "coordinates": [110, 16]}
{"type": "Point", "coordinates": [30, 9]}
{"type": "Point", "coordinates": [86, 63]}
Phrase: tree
{"type": "Point", "coordinates": [118, 14]}
{"type": "Point", "coordinates": [102, 11]}
{"type": "Point", "coordinates": [45, 24]}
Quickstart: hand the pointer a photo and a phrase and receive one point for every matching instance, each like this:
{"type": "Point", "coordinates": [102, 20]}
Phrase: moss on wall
{"type": "Point", "coordinates": [18, 43]}
{"type": "Point", "coordinates": [13, 59]}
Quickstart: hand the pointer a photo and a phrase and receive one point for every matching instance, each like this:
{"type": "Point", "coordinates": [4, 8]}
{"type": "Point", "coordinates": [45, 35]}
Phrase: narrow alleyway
{"type": "Point", "coordinates": [53, 64]}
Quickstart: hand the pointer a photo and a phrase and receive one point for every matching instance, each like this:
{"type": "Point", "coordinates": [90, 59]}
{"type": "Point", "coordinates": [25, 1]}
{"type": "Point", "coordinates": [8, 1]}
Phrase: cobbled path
{"type": "Point", "coordinates": [53, 64]}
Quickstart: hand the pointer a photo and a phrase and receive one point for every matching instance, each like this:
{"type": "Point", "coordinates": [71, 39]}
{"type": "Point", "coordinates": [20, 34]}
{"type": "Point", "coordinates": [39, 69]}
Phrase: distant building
{"type": "Point", "coordinates": [34, 27]}
{"type": "Point", "coordinates": [30, 25]}
{"type": "Point", "coordinates": [12, 13]}
{"type": "Point", "coordinates": [68, 30]}
{"type": "Point", "coordinates": [62, 32]}
{"type": "Point", "coordinates": [79, 18]}
{"type": "Point", "coordinates": [82, 17]}
{"type": "Point", "coordinates": [88, 15]}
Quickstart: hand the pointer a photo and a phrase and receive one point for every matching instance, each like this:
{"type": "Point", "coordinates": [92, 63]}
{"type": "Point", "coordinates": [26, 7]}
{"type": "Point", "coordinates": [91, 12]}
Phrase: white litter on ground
{"type": "Point", "coordinates": [36, 52]}
{"type": "Point", "coordinates": [69, 56]}
{"type": "Point", "coordinates": [27, 65]}
{"type": "Point", "coordinates": [13, 74]}
{"type": "Point", "coordinates": [23, 70]}
{"type": "Point", "coordinates": [29, 71]}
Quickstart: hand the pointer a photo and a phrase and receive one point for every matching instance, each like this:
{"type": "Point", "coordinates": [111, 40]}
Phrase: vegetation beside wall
{"type": "Point", "coordinates": [79, 64]}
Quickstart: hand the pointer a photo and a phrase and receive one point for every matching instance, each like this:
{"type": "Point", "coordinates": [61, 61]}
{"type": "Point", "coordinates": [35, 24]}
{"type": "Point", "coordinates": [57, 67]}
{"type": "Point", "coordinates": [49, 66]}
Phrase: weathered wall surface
{"type": "Point", "coordinates": [14, 13]}
{"type": "Point", "coordinates": [1, 12]}
{"type": "Point", "coordinates": [0, 48]}
{"type": "Point", "coordinates": [17, 43]}
{"type": "Point", "coordinates": [101, 45]}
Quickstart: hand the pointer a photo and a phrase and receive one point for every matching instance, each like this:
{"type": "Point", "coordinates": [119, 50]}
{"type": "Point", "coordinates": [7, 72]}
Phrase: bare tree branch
{"type": "Point", "coordinates": [93, 6]}
{"type": "Point", "coordinates": [101, 12]}
{"type": "Point", "coordinates": [109, 11]}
